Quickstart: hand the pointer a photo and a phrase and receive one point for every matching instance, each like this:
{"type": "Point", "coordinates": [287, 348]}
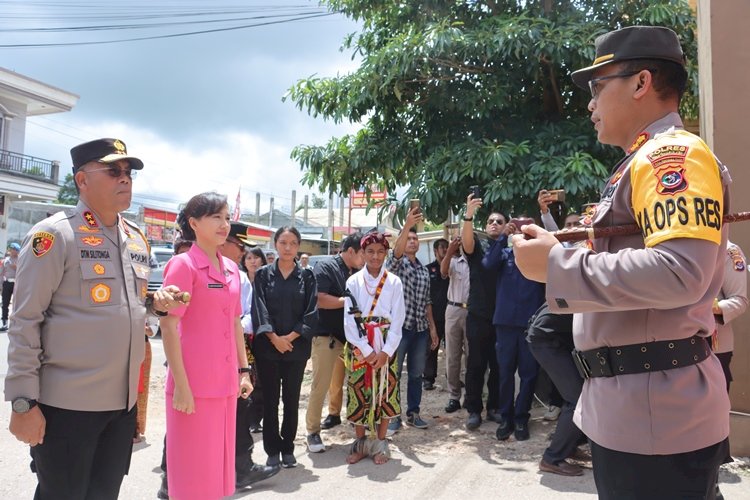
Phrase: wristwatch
{"type": "Point", "coordinates": [23, 405]}
{"type": "Point", "coordinates": [468, 219]}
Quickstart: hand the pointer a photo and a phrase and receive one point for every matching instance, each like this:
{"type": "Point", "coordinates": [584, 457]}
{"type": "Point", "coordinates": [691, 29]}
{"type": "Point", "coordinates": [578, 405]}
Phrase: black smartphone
{"type": "Point", "coordinates": [475, 191]}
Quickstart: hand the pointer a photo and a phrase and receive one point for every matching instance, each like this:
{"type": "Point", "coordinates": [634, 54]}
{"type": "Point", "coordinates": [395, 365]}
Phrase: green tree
{"type": "Point", "coordinates": [68, 194]}
{"type": "Point", "coordinates": [457, 93]}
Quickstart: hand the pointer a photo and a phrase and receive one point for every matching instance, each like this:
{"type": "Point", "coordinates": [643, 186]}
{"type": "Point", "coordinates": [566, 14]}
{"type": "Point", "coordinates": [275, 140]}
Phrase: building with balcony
{"type": "Point", "coordinates": [24, 177]}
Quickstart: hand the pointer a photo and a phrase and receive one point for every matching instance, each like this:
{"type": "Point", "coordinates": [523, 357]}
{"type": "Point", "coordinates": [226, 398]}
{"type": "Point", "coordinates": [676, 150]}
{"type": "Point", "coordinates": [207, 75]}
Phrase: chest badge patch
{"type": "Point", "coordinates": [737, 260]}
{"type": "Point", "coordinates": [101, 293]}
{"type": "Point", "coordinates": [86, 229]}
{"type": "Point", "coordinates": [41, 243]}
{"type": "Point", "coordinates": [92, 241]}
{"type": "Point", "coordinates": [99, 269]}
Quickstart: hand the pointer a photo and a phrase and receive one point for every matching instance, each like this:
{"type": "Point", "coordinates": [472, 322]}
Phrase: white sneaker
{"type": "Point", "coordinates": [553, 413]}
{"type": "Point", "coordinates": [315, 444]}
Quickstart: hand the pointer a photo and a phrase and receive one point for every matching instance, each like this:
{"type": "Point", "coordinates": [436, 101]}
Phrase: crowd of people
{"type": "Point", "coordinates": [643, 388]}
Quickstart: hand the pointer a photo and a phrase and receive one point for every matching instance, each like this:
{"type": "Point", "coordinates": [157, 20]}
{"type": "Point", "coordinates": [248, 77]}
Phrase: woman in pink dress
{"type": "Point", "coordinates": [204, 344]}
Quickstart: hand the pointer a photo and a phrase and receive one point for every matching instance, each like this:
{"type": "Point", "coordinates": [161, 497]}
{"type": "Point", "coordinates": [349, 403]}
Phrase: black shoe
{"type": "Point", "coordinates": [4, 328]}
{"type": "Point", "coordinates": [428, 385]}
{"type": "Point", "coordinates": [474, 421]}
{"type": "Point", "coordinates": [504, 430]}
{"type": "Point", "coordinates": [163, 492]}
{"type": "Point", "coordinates": [254, 474]}
{"type": "Point", "coordinates": [330, 422]}
{"type": "Point", "coordinates": [522, 432]}
{"type": "Point", "coordinates": [256, 428]}
{"type": "Point", "coordinates": [288, 461]}
{"type": "Point", "coordinates": [494, 416]}
{"type": "Point", "coordinates": [452, 406]}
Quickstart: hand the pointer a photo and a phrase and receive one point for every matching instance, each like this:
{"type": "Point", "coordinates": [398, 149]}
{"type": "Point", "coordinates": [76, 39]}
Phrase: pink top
{"type": "Point", "coordinates": [207, 336]}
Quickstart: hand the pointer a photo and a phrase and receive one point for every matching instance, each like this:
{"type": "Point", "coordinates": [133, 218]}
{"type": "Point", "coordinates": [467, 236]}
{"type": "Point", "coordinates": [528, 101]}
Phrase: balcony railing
{"type": "Point", "coordinates": [28, 166]}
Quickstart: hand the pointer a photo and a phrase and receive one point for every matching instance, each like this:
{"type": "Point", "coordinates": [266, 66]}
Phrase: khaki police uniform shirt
{"type": "Point", "coordinates": [732, 297]}
{"type": "Point", "coordinates": [76, 335]}
{"type": "Point", "coordinates": [659, 285]}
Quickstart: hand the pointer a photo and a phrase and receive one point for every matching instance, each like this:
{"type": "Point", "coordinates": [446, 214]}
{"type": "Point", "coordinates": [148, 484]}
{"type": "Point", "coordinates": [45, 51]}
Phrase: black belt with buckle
{"type": "Point", "coordinates": [458, 304]}
{"type": "Point", "coordinates": [641, 358]}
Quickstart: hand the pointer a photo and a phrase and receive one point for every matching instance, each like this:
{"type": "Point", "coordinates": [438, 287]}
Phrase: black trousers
{"type": "Point", "coordinates": [243, 438]}
{"type": "Point", "coordinates": [7, 294]}
{"type": "Point", "coordinates": [480, 336]}
{"type": "Point", "coordinates": [431, 365]}
{"type": "Point", "coordinates": [558, 363]}
{"type": "Point", "coordinates": [282, 379]}
{"type": "Point", "coordinates": [85, 454]}
{"type": "Point", "coordinates": [725, 358]}
{"type": "Point", "coordinates": [683, 476]}
{"type": "Point", "coordinates": [255, 411]}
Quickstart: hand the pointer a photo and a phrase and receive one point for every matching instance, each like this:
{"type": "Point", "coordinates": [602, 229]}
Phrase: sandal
{"type": "Point", "coordinates": [380, 451]}
{"type": "Point", "coordinates": [358, 450]}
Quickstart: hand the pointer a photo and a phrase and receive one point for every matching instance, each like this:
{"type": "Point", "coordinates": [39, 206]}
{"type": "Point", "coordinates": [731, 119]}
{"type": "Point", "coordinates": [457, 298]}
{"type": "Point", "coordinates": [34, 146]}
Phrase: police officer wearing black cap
{"type": "Point", "coordinates": [654, 402]}
{"type": "Point", "coordinates": [76, 342]}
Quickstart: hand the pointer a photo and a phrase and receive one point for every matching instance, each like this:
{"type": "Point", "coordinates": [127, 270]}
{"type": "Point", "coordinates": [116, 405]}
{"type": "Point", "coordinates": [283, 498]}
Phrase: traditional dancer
{"type": "Point", "coordinates": [373, 339]}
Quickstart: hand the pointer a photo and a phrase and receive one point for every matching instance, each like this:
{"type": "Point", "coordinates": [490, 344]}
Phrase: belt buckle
{"type": "Point", "coordinates": [584, 370]}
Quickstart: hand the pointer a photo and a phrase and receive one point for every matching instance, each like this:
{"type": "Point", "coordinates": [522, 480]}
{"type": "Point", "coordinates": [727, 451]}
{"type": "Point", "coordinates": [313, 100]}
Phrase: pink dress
{"type": "Point", "coordinates": [200, 446]}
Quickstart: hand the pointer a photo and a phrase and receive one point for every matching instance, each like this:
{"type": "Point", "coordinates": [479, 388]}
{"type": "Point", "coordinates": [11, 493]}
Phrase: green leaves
{"type": "Point", "coordinates": [456, 93]}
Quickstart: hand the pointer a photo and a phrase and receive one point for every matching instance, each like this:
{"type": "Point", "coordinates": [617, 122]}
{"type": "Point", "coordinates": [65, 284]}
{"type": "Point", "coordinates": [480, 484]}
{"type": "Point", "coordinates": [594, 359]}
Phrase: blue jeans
{"type": "Point", "coordinates": [413, 344]}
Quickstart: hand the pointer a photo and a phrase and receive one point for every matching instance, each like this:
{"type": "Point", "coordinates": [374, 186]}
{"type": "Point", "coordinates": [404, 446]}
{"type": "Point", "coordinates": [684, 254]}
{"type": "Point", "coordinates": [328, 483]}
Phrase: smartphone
{"type": "Point", "coordinates": [414, 203]}
{"type": "Point", "coordinates": [476, 191]}
{"type": "Point", "coordinates": [558, 195]}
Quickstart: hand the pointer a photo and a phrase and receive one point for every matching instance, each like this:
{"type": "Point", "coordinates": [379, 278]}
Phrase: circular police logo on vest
{"type": "Point", "coordinates": [672, 181]}
{"type": "Point", "coordinates": [101, 293]}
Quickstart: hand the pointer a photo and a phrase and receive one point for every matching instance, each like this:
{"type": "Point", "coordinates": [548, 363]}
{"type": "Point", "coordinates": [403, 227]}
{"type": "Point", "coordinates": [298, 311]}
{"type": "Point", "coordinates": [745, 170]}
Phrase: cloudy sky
{"type": "Point", "coordinates": [204, 112]}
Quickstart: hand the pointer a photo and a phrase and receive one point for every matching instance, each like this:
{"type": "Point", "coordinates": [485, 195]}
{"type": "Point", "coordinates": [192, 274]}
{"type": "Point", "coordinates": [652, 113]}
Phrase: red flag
{"type": "Point", "coordinates": [236, 213]}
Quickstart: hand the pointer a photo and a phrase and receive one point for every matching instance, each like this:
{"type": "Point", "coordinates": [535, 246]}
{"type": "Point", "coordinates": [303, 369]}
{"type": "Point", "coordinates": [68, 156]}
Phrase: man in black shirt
{"type": "Point", "coordinates": [328, 342]}
{"type": "Point", "coordinates": [439, 296]}
{"type": "Point", "coordinates": [480, 333]}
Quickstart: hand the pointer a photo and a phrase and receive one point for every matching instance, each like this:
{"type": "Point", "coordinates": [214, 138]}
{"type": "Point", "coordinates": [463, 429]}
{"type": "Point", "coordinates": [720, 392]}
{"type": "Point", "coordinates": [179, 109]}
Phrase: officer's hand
{"type": "Point", "coordinates": [182, 400]}
{"type": "Point", "coordinates": [28, 427]}
{"type": "Point", "coordinates": [246, 387]}
{"type": "Point", "coordinates": [164, 299]}
{"type": "Point", "coordinates": [532, 254]}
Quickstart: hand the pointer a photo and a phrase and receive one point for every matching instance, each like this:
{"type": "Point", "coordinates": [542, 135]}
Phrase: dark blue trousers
{"type": "Point", "coordinates": [513, 354]}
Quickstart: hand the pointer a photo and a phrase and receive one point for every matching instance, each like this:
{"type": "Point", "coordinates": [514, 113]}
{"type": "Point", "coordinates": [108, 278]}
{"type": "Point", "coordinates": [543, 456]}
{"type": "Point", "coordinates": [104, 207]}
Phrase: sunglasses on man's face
{"type": "Point", "coordinates": [499, 222]}
{"type": "Point", "coordinates": [115, 172]}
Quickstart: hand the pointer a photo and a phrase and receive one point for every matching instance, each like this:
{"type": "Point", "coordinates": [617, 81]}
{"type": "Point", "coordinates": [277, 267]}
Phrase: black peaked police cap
{"type": "Point", "coordinates": [104, 151]}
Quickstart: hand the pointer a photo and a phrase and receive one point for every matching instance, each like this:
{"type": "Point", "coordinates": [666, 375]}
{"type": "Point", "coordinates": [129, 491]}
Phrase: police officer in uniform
{"type": "Point", "coordinates": [76, 339]}
{"type": "Point", "coordinates": [654, 402]}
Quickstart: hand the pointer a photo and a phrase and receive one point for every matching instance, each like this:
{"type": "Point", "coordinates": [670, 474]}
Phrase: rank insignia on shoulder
{"type": "Point", "coordinates": [100, 293]}
{"type": "Point", "coordinates": [92, 241]}
{"type": "Point", "coordinates": [90, 219]}
{"type": "Point", "coordinates": [42, 242]}
{"type": "Point", "coordinates": [639, 141]}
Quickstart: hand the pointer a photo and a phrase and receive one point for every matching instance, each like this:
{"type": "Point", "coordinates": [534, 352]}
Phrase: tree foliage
{"type": "Point", "coordinates": [68, 195]}
{"type": "Point", "coordinates": [457, 93]}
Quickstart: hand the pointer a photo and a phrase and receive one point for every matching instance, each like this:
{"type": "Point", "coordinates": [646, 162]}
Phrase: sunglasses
{"type": "Point", "coordinates": [115, 172]}
{"type": "Point", "coordinates": [594, 83]}
{"type": "Point", "coordinates": [499, 222]}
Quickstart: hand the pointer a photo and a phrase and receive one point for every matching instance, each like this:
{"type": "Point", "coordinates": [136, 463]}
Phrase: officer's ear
{"type": "Point", "coordinates": [645, 81]}
{"type": "Point", "coordinates": [80, 178]}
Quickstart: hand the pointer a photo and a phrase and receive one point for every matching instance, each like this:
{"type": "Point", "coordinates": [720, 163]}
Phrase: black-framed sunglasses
{"type": "Point", "coordinates": [115, 172]}
{"type": "Point", "coordinates": [595, 88]}
{"type": "Point", "coordinates": [499, 222]}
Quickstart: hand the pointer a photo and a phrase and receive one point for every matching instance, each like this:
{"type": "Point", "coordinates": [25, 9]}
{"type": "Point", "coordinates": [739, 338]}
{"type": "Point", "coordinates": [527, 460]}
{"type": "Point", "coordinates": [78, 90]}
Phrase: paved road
{"type": "Point", "coordinates": [451, 465]}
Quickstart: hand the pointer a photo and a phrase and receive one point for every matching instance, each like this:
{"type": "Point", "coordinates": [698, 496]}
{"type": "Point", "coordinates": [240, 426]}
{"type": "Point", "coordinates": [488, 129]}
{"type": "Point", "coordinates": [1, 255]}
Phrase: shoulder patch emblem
{"type": "Point", "coordinates": [672, 155]}
{"type": "Point", "coordinates": [42, 242]}
{"type": "Point", "coordinates": [671, 180]}
{"type": "Point", "coordinates": [92, 241]}
{"type": "Point", "coordinates": [101, 293]}
{"type": "Point", "coordinates": [737, 260]}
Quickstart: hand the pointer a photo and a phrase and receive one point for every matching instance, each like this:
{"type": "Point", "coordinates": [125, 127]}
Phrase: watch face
{"type": "Point", "coordinates": [21, 405]}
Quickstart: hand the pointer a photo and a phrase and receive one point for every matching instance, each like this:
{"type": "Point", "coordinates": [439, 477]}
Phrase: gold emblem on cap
{"type": "Point", "coordinates": [119, 147]}
{"type": "Point", "coordinates": [601, 59]}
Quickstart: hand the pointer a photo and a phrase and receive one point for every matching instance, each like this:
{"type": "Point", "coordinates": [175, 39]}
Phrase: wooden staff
{"type": "Point", "coordinates": [183, 297]}
{"type": "Point", "coordinates": [591, 233]}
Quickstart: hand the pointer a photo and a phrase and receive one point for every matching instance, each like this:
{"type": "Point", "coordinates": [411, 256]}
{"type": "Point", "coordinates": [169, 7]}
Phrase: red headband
{"type": "Point", "coordinates": [371, 238]}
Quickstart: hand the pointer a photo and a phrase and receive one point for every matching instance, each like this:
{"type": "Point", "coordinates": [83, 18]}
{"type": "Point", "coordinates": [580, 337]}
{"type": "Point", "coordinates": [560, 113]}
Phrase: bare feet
{"type": "Point", "coordinates": [380, 458]}
{"type": "Point", "coordinates": [353, 458]}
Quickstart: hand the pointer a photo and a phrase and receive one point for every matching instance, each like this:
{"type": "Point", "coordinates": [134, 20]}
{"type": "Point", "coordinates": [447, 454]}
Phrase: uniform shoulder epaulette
{"type": "Point", "coordinates": [140, 232]}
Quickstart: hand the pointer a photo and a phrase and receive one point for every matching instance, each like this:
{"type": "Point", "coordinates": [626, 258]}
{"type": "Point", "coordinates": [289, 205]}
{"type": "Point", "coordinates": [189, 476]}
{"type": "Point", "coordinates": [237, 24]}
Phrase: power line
{"type": "Point", "coordinates": [158, 37]}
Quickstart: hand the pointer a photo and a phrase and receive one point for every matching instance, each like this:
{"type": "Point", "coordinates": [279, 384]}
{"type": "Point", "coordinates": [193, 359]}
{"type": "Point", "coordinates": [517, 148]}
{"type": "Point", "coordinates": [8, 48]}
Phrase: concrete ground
{"type": "Point", "coordinates": [444, 461]}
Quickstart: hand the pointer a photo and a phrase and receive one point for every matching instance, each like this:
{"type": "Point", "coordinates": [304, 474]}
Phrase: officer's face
{"type": "Point", "coordinates": [103, 192]}
{"type": "Point", "coordinates": [212, 229]}
{"type": "Point", "coordinates": [611, 104]}
{"type": "Point", "coordinates": [232, 249]}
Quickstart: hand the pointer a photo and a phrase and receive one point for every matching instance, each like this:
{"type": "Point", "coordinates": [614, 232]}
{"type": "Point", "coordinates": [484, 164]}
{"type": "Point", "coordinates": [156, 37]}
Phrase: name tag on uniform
{"type": "Point", "coordinates": [215, 285]}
